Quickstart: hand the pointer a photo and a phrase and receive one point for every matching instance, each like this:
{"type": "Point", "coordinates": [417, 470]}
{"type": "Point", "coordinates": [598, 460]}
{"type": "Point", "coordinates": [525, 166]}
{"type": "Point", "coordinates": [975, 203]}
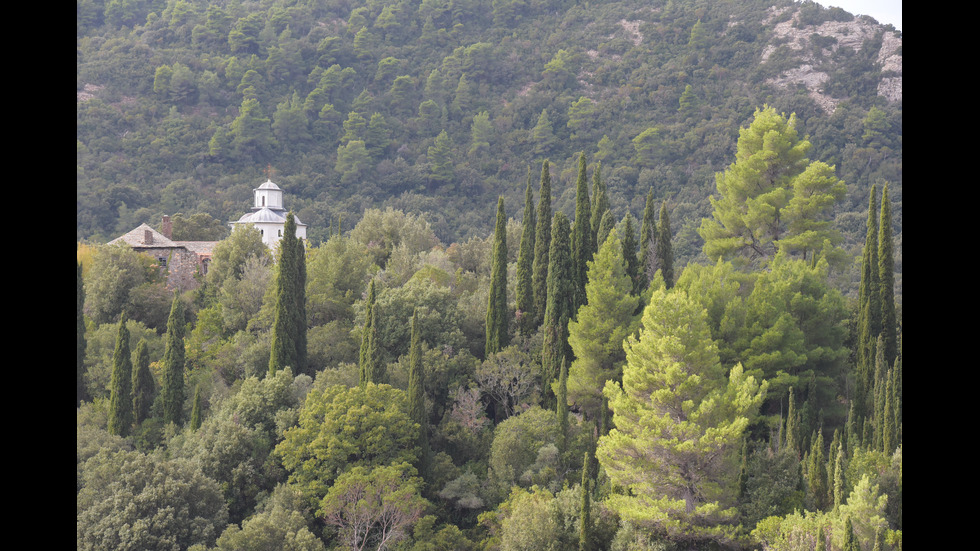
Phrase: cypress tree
{"type": "Point", "coordinates": [606, 226]}
{"type": "Point", "coordinates": [629, 257]}
{"type": "Point", "coordinates": [561, 404]}
{"type": "Point", "coordinates": [542, 246]}
{"type": "Point", "coordinates": [376, 369]}
{"type": "Point", "coordinates": [80, 335]}
{"type": "Point", "coordinates": [288, 329]}
{"type": "Point", "coordinates": [524, 291]}
{"type": "Point", "coordinates": [416, 395]}
{"type": "Point", "coordinates": [665, 251]}
{"type": "Point", "coordinates": [869, 308]}
{"type": "Point", "coordinates": [839, 479]}
{"type": "Point", "coordinates": [173, 365]}
{"type": "Point", "coordinates": [365, 354]}
{"type": "Point", "coordinates": [299, 318]}
{"type": "Point", "coordinates": [120, 391]}
{"type": "Point", "coordinates": [792, 425]}
{"type": "Point", "coordinates": [582, 249]}
{"type": "Point", "coordinates": [497, 319]}
{"type": "Point", "coordinates": [886, 281]}
{"type": "Point", "coordinates": [586, 538]}
{"type": "Point", "coordinates": [196, 411]}
{"type": "Point", "coordinates": [558, 309]}
{"type": "Point", "coordinates": [600, 205]}
{"type": "Point", "coordinates": [143, 385]}
{"type": "Point", "coordinates": [817, 472]}
{"type": "Point", "coordinates": [648, 242]}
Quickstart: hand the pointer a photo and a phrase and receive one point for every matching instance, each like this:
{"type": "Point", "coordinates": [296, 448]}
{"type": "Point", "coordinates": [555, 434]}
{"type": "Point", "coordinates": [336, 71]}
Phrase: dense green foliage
{"type": "Point", "coordinates": [687, 385]}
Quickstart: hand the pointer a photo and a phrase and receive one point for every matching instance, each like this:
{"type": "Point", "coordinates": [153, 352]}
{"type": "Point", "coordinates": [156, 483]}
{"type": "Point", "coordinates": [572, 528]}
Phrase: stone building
{"type": "Point", "coordinates": [182, 260]}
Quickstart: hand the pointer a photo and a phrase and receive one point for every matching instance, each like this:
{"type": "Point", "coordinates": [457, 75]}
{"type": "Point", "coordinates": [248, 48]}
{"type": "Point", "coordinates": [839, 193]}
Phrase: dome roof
{"type": "Point", "coordinates": [269, 185]}
{"type": "Point", "coordinates": [263, 215]}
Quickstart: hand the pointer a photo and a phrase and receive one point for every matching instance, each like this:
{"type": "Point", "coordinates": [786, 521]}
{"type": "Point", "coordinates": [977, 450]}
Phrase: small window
{"type": "Point", "coordinates": [163, 261]}
{"type": "Point", "coordinates": [280, 232]}
{"type": "Point", "coordinates": [263, 200]}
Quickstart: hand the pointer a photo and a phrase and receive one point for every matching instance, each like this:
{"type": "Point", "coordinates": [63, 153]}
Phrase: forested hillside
{"type": "Point", "coordinates": [599, 276]}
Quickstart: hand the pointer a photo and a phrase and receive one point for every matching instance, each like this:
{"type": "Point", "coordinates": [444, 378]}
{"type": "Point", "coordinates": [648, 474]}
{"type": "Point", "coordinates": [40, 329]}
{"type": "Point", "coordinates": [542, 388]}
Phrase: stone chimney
{"type": "Point", "coordinates": [166, 228]}
{"type": "Point", "coordinates": [147, 237]}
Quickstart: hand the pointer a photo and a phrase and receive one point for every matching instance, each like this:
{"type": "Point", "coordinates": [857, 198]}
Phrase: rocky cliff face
{"type": "Point", "coordinates": [816, 44]}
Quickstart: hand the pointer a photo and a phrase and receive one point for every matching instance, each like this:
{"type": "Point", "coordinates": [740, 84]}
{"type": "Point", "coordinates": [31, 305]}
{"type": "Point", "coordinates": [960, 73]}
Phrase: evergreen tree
{"type": "Point", "coordinates": [632, 263]}
{"type": "Point", "coordinates": [869, 308]}
{"type": "Point", "coordinates": [772, 198]}
{"type": "Point", "coordinates": [792, 425]}
{"type": "Point", "coordinates": [817, 472]}
{"type": "Point", "coordinates": [196, 412]}
{"type": "Point", "coordinates": [559, 307]}
{"type": "Point", "coordinates": [665, 251]}
{"type": "Point", "coordinates": [561, 405]}
{"type": "Point", "coordinates": [524, 292]}
{"type": "Point", "coordinates": [606, 225]}
{"type": "Point", "coordinates": [120, 386]}
{"type": "Point", "coordinates": [648, 243]}
{"type": "Point", "coordinates": [839, 467]}
{"type": "Point", "coordinates": [542, 246]}
{"type": "Point", "coordinates": [687, 413]}
{"type": "Point", "coordinates": [173, 365]}
{"type": "Point", "coordinates": [144, 387]}
{"type": "Point", "coordinates": [581, 238]}
{"type": "Point", "coordinates": [596, 336]}
{"type": "Point", "coordinates": [289, 327]}
{"type": "Point", "coordinates": [600, 205]}
{"type": "Point", "coordinates": [365, 355]}
{"type": "Point", "coordinates": [586, 538]}
{"type": "Point", "coordinates": [497, 320]}
{"type": "Point", "coordinates": [80, 335]}
{"type": "Point", "coordinates": [886, 281]}
{"type": "Point", "coordinates": [377, 371]}
{"type": "Point", "coordinates": [416, 395]}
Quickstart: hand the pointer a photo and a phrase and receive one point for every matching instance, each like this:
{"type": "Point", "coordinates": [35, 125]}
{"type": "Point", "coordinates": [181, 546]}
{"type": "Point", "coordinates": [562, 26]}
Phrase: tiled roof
{"type": "Point", "coordinates": [137, 238]}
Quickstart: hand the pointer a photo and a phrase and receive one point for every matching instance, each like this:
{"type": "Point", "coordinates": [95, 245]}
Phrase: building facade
{"type": "Point", "coordinates": [268, 215]}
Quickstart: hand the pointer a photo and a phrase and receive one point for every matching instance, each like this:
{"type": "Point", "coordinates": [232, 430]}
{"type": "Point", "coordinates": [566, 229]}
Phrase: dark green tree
{"type": "Point", "coordinates": [632, 263]}
{"type": "Point", "coordinates": [173, 365]}
{"type": "Point", "coordinates": [416, 396]}
{"type": "Point", "coordinates": [376, 368]}
{"type": "Point", "coordinates": [886, 281]}
{"type": "Point", "coordinates": [144, 388]}
{"type": "Point", "coordinates": [561, 405]}
{"type": "Point", "coordinates": [120, 386]}
{"type": "Point", "coordinates": [600, 205]}
{"type": "Point", "coordinates": [497, 321]}
{"type": "Point", "coordinates": [582, 249]}
{"type": "Point", "coordinates": [289, 327]}
{"type": "Point", "coordinates": [542, 246]}
{"type": "Point", "coordinates": [648, 241]}
{"type": "Point", "coordinates": [365, 354]}
{"type": "Point", "coordinates": [80, 335]}
{"type": "Point", "coordinates": [559, 307]}
{"type": "Point", "coordinates": [586, 537]}
{"type": "Point", "coordinates": [869, 311]}
{"type": "Point", "coordinates": [524, 291]}
{"type": "Point", "coordinates": [665, 251]}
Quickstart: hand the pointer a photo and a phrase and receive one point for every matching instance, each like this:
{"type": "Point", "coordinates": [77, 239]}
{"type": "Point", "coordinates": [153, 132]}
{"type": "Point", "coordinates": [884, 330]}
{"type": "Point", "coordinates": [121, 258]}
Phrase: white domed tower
{"type": "Point", "coordinates": [268, 215]}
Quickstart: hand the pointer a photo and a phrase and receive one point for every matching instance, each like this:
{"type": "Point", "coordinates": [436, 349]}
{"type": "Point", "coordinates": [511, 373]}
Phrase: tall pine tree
{"type": "Point", "coordinates": [173, 365]}
{"type": "Point", "coordinates": [289, 327]}
{"type": "Point", "coordinates": [665, 251]}
{"type": "Point", "coordinates": [600, 205]}
{"type": "Point", "coordinates": [524, 291]}
{"type": "Point", "coordinates": [869, 313]}
{"type": "Point", "coordinates": [416, 395]}
{"type": "Point", "coordinates": [886, 281]}
{"type": "Point", "coordinates": [120, 385]}
{"type": "Point", "coordinates": [559, 307]}
{"type": "Point", "coordinates": [582, 249]}
{"type": "Point", "coordinates": [497, 321]}
{"type": "Point", "coordinates": [648, 242]}
{"type": "Point", "coordinates": [144, 387]}
{"type": "Point", "coordinates": [542, 246]}
{"type": "Point", "coordinates": [364, 358]}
